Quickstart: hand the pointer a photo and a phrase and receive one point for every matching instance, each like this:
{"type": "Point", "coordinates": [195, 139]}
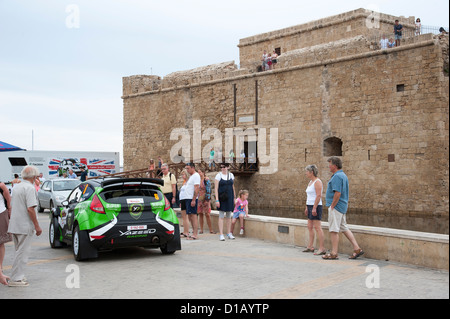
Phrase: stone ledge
{"type": "Point", "coordinates": [403, 246]}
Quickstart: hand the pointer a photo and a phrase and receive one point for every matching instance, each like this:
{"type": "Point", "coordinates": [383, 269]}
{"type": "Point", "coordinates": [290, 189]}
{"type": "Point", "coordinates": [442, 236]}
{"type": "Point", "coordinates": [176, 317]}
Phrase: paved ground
{"type": "Point", "coordinates": [210, 269]}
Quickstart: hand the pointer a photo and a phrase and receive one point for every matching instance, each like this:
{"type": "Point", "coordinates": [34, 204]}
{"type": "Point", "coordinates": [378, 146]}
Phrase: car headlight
{"type": "Point", "coordinates": [60, 198]}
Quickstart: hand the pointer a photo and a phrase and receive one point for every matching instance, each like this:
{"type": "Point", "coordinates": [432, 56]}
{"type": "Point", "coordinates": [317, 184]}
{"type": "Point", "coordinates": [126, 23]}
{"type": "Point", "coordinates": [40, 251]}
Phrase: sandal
{"type": "Point", "coordinates": [192, 238]}
{"type": "Point", "coordinates": [356, 254]}
{"type": "Point", "coordinates": [323, 252]}
{"type": "Point", "coordinates": [309, 250]}
{"type": "Point", "coordinates": [330, 256]}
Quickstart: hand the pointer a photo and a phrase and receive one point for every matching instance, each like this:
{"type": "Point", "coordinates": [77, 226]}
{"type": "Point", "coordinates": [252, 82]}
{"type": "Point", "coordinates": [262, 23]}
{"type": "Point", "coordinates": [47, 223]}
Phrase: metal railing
{"type": "Point", "coordinates": [407, 34]}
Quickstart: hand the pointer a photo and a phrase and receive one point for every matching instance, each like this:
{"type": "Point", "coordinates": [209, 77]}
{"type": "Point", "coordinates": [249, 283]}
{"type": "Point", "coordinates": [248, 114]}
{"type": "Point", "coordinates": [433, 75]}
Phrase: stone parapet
{"type": "Point", "coordinates": [403, 246]}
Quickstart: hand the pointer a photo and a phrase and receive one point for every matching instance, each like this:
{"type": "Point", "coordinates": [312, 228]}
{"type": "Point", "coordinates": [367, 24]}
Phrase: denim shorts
{"type": "Point", "coordinates": [318, 211]}
{"type": "Point", "coordinates": [236, 214]}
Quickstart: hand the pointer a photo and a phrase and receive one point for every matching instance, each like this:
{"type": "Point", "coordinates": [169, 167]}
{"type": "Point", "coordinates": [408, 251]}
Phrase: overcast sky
{"type": "Point", "coordinates": [62, 62]}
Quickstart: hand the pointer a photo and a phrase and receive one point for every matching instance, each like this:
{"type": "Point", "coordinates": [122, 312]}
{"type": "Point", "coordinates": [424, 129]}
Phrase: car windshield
{"type": "Point", "coordinates": [117, 194]}
{"type": "Point", "coordinates": [67, 185]}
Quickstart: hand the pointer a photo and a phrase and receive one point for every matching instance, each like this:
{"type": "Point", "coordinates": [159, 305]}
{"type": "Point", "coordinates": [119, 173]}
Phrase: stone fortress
{"type": "Point", "coordinates": [332, 92]}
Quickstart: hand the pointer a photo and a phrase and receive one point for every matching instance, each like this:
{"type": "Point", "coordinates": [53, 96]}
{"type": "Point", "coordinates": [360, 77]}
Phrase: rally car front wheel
{"type": "Point", "coordinates": [54, 234]}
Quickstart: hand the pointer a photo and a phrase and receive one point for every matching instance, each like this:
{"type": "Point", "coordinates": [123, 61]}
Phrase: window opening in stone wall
{"type": "Point", "coordinates": [332, 146]}
{"type": "Point", "coordinates": [400, 87]}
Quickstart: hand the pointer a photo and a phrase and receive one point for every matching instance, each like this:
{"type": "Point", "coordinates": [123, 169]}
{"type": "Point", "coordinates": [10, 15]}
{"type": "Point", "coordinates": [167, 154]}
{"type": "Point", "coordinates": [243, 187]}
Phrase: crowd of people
{"type": "Point", "coordinates": [395, 41]}
{"type": "Point", "coordinates": [19, 223]}
{"type": "Point", "coordinates": [195, 201]}
{"type": "Point", "coordinates": [269, 60]}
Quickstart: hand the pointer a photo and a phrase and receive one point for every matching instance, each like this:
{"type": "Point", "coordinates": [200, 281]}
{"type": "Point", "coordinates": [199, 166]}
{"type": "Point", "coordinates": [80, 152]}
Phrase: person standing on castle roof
{"type": "Point", "coordinates": [274, 59]}
{"type": "Point", "coordinates": [269, 61]}
{"type": "Point", "coordinates": [391, 43]}
{"type": "Point", "coordinates": [264, 61]}
{"type": "Point", "coordinates": [398, 28]}
{"type": "Point", "coordinates": [384, 43]}
{"type": "Point", "coordinates": [418, 26]}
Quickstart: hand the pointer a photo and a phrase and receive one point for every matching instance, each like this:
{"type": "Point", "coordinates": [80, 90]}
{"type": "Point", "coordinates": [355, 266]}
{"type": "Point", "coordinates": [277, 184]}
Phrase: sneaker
{"type": "Point", "coordinates": [20, 283]}
{"type": "Point", "coordinates": [241, 232]}
{"type": "Point", "coordinates": [221, 238]}
{"type": "Point", "coordinates": [230, 236]}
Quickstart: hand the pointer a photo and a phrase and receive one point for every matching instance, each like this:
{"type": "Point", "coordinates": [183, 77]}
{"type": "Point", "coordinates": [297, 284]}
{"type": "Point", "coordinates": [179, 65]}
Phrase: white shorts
{"type": "Point", "coordinates": [336, 221]}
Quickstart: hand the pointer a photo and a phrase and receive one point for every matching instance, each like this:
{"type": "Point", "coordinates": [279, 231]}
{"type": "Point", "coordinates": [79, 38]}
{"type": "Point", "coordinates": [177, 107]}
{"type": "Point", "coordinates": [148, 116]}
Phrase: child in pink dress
{"type": "Point", "coordinates": [240, 210]}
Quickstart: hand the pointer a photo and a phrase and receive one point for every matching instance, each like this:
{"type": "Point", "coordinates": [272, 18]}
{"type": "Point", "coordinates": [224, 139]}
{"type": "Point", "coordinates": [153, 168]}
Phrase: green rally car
{"type": "Point", "coordinates": [104, 214]}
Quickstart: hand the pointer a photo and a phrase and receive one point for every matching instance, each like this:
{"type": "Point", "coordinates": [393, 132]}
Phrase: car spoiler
{"type": "Point", "coordinates": [123, 181]}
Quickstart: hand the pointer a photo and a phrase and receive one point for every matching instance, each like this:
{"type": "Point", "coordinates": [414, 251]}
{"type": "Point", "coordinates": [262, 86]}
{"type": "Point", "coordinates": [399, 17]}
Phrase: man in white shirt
{"type": "Point", "coordinates": [384, 42]}
{"type": "Point", "coordinates": [23, 223]}
{"type": "Point", "coordinates": [191, 192]}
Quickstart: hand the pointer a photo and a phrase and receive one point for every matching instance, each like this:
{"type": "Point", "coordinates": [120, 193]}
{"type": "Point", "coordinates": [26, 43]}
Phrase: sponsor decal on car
{"type": "Point", "coordinates": [137, 233]}
{"type": "Point", "coordinates": [136, 210]}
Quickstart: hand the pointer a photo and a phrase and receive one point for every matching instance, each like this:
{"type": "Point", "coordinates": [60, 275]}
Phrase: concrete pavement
{"type": "Point", "coordinates": [210, 269]}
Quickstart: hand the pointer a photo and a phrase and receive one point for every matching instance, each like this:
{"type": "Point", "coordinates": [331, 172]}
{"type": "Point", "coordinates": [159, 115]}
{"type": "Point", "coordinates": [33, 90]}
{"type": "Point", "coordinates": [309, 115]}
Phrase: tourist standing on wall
{"type": "Point", "coordinates": [225, 194]}
{"type": "Point", "coordinates": [264, 61]}
{"type": "Point", "coordinates": [313, 209]}
{"type": "Point", "coordinates": [418, 27]}
{"type": "Point", "coordinates": [204, 201]}
{"type": "Point", "coordinates": [337, 200]}
{"type": "Point", "coordinates": [384, 42]}
{"type": "Point", "coordinates": [274, 59]}
{"type": "Point", "coordinates": [23, 223]}
{"type": "Point", "coordinates": [192, 189]}
{"type": "Point", "coordinates": [398, 28]}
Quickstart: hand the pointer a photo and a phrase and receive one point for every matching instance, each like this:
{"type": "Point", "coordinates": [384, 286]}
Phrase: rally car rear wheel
{"type": "Point", "coordinates": [81, 247]}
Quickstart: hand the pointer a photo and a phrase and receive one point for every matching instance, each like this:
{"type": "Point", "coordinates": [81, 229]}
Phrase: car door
{"type": "Point", "coordinates": [67, 214]}
{"type": "Point", "coordinates": [45, 194]}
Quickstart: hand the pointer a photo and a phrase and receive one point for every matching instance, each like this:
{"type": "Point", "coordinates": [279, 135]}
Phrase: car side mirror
{"type": "Point", "coordinates": [65, 203]}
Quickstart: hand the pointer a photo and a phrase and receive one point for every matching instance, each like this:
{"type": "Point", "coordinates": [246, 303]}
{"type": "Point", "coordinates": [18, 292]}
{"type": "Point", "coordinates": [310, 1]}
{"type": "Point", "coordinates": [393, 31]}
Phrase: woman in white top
{"type": "Point", "coordinates": [183, 197]}
{"type": "Point", "coordinates": [313, 209]}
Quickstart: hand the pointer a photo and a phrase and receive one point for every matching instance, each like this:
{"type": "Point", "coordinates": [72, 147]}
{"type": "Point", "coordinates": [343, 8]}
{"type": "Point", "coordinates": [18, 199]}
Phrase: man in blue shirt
{"type": "Point", "coordinates": [337, 201]}
{"type": "Point", "coordinates": [398, 28]}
